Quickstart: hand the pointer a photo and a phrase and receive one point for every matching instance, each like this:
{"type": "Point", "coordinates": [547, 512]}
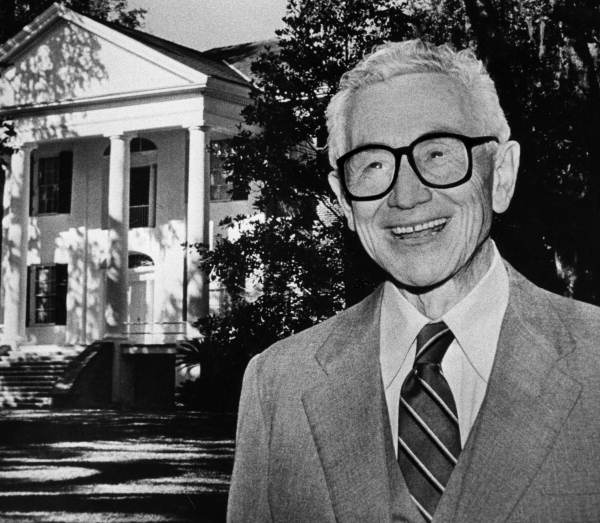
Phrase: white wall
{"type": "Point", "coordinates": [76, 239]}
{"type": "Point", "coordinates": [79, 240]}
{"type": "Point", "coordinates": [163, 243]}
{"type": "Point", "coordinates": [81, 86]}
{"type": "Point", "coordinates": [70, 62]}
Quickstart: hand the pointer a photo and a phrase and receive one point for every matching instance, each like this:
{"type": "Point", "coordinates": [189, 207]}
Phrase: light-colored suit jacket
{"type": "Point", "coordinates": [314, 443]}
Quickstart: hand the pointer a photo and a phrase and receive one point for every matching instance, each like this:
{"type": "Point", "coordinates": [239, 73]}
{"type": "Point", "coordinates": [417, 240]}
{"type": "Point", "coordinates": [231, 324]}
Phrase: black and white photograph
{"type": "Point", "coordinates": [300, 261]}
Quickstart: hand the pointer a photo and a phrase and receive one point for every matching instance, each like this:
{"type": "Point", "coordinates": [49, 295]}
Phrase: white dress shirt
{"type": "Point", "coordinates": [475, 322]}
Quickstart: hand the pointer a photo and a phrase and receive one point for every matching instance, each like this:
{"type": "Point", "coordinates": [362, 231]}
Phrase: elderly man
{"type": "Point", "coordinates": [457, 391]}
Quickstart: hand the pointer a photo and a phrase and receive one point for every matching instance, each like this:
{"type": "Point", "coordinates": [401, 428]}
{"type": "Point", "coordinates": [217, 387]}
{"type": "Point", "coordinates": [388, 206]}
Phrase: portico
{"type": "Point", "coordinates": [68, 247]}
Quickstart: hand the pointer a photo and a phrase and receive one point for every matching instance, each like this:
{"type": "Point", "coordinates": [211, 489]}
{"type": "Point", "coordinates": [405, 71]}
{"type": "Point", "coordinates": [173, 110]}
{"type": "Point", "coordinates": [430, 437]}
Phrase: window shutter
{"type": "Point", "coordinates": [61, 276]}
{"type": "Point", "coordinates": [152, 197]}
{"type": "Point", "coordinates": [29, 296]}
{"type": "Point", "coordinates": [64, 181]}
{"type": "Point", "coordinates": [33, 184]}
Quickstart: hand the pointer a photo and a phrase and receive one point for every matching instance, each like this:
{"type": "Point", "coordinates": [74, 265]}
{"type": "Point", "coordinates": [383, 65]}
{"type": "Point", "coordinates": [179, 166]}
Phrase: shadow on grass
{"type": "Point", "coordinates": [94, 465]}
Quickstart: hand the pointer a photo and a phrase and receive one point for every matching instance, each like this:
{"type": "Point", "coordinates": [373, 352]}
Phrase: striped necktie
{"type": "Point", "coordinates": [428, 432]}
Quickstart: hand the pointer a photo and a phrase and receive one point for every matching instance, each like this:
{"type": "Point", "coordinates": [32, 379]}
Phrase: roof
{"type": "Point", "coordinates": [241, 56]}
{"type": "Point", "coordinates": [205, 63]}
{"type": "Point", "coordinates": [212, 66]}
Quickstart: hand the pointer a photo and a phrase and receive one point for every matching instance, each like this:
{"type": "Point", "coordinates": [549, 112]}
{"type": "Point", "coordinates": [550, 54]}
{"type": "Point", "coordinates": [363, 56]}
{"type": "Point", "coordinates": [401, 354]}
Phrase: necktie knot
{"type": "Point", "coordinates": [433, 341]}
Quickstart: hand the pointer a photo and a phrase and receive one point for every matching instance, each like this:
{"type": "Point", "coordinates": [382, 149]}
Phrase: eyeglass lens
{"type": "Point", "coordinates": [440, 161]}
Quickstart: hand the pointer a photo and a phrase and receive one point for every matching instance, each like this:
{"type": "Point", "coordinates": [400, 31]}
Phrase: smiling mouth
{"type": "Point", "coordinates": [420, 230]}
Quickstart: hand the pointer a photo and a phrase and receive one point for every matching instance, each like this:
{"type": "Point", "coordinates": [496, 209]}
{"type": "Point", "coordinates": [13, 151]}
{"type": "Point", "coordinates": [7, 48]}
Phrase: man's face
{"type": "Point", "coordinates": [420, 235]}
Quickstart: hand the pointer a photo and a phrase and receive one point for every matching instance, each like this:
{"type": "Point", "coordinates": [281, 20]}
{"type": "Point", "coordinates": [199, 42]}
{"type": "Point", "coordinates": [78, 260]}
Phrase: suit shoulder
{"type": "Point", "coordinates": [569, 325]}
{"type": "Point", "coordinates": [582, 321]}
{"type": "Point", "coordinates": [576, 314]}
{"type": "Point", "coordinates": [572, 313]}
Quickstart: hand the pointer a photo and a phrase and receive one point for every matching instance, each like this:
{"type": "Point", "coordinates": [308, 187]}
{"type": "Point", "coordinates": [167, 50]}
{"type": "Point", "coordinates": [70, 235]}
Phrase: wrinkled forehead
{"type": "Point", "coordinates": [398, 110]}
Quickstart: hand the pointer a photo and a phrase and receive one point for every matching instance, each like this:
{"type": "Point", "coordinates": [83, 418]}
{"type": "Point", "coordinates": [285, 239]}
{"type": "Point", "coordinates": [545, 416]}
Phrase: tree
{"type": "Point", "coordinates": [287, 159]}
{"type": "Point", "coordinates": [294, 253]}
{"type": "Point", "coordinates": [303, 259]}
{"type": "Point", "coordinates": [544, 59]}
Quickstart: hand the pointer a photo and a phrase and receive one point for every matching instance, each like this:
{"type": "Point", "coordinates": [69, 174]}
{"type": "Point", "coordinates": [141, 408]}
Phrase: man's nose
{"type": "Point", "coordinates": [408, 191]}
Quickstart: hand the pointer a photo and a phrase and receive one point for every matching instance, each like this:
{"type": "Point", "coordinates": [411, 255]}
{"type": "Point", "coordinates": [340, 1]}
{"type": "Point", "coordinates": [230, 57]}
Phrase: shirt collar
{"type": "Point", "coordinates": [400, 323]}
{"type": "Point", "coordinates": [475, 322]}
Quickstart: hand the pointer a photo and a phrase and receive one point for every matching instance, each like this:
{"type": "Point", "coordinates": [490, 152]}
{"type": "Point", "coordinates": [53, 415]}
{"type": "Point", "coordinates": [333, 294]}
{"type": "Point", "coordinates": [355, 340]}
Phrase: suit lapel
{"type": "Point", "coordinates": [527, 401]}
{"type": "Point", "coordinates": [347, 419]}
{"type": "Point", "coordinates": [529, 397]}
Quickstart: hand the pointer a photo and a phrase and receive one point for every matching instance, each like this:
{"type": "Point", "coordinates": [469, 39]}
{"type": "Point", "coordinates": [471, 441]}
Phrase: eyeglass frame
{"type": "Point", "coordinates": [407, 150]}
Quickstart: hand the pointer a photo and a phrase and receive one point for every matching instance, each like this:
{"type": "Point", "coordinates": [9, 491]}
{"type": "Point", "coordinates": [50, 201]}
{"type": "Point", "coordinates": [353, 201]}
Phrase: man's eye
{"type": "Point", "coordinates": [436, 154]}
{"type": "Point", "coordinates": [375, 165]}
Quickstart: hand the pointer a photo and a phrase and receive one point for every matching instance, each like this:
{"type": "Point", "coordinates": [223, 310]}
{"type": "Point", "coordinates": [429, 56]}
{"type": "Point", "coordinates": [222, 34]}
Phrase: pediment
{"type": "Point", "coordinates": [70, 61]}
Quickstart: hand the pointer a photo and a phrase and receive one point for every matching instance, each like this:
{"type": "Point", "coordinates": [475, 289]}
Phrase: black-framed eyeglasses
{"type": "Point", "coordinates": [440, 160]}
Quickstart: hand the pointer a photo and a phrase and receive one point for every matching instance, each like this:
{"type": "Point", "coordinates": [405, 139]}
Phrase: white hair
{"type": "Point", "coordinates": [409, 57]}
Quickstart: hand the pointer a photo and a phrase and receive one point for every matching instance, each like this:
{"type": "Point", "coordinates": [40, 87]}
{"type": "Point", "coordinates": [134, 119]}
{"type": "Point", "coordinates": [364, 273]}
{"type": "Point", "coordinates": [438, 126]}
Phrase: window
{"type": "Point", "coordinates": [51, 184]}
{"type": "Point", "coordinates": [48, 185]}
{"type": "Point", "coordinates": [137, 145]}
{"type": "Point", "coordinates": [142, 183]}
{"type": "Point", "coordinates": [142, 196]}
{"type": "Point", "coordinates": [141, 291]}
{"type": "Point", "coordinates": [47, 294]}
{"type": "Point", "coordinates": [137, 260]}
{"type": "Point", "coordinates": [220, 188]}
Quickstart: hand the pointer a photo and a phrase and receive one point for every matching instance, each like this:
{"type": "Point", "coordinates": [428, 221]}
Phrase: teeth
{"type": "Point", "coordinates": [419, 226]}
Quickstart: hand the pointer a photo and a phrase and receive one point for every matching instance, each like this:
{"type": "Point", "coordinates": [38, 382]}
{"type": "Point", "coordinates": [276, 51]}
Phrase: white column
{"type": "Point", "coordinates": [118, 230]}
{"type": "Point", "coordinates": [15, 230]}
{"type": "Point", "coordinates": [198, 201]}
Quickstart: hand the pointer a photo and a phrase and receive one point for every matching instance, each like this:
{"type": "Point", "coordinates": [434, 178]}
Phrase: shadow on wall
{"type": "Point", "coordinates": [169, 238]}
{"type": "Point", "coordinates": [85, 255]}
{"type": "Point", "coordinates": [62, 68]}
{"type": "Point", "coordinates": [66, 64]}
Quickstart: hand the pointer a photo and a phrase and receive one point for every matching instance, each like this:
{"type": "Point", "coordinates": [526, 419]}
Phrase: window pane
{"type": "Point", "coordinates": [48, 185]}
{"type": "Point", "coordinates": [139, 216]}
{"type": "Point", "coordinates": [139, 190]}
{"type": "Point", "coordinates": [45, 294]}
{"type": "Point", "coordinates": [44, 281]}
{"type": "Point", "coordinates": [220, 189]}
{"type": "Point", "coordinates": [139, 197]}
{"type": "Point", "coordinates": [137, 259]}
{"type": "Point", "coordinates": [44, 310]}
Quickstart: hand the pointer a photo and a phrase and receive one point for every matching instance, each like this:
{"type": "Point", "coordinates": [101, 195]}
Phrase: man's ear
{"type": "Point", "coordinates": [506, 165]}
{"type": "Point", "coordinates": [336, 187]}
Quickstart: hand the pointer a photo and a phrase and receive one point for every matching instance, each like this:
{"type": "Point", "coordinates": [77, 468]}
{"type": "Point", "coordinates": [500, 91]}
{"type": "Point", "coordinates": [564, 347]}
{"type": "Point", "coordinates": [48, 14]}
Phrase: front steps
{"type": "Point", "coordinates": [28, 374]}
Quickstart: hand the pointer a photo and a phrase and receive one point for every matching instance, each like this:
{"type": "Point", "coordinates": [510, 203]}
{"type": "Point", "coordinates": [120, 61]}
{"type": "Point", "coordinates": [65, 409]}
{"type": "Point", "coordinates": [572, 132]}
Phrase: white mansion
{"type": "Point", "coordinates": [115, 174]}
{"type": "Point", "coordinates": [116, 131]}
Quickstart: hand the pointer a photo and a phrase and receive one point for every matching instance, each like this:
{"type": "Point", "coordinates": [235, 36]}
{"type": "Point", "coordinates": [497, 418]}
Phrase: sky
{"type": "Point", "coordinates": [204, 24]}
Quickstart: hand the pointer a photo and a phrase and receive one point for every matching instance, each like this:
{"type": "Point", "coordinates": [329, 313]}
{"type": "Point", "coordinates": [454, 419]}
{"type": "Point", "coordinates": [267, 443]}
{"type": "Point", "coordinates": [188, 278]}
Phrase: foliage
{"type": "Point", "coordinates": [543, 57]}
{"type": "Point", "coordinates": [7, 133]}
{"type": "Point", "coordinates": [294, 83]}
{"type": "Point", "coordinates": [303, 261]}
{"type": "Point", "coordinates": [296, 272]}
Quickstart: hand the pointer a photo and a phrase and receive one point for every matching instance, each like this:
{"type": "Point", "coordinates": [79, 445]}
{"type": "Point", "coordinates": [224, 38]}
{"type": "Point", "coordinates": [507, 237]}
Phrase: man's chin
{"type": "Point", "coordinates": [419, 284]}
